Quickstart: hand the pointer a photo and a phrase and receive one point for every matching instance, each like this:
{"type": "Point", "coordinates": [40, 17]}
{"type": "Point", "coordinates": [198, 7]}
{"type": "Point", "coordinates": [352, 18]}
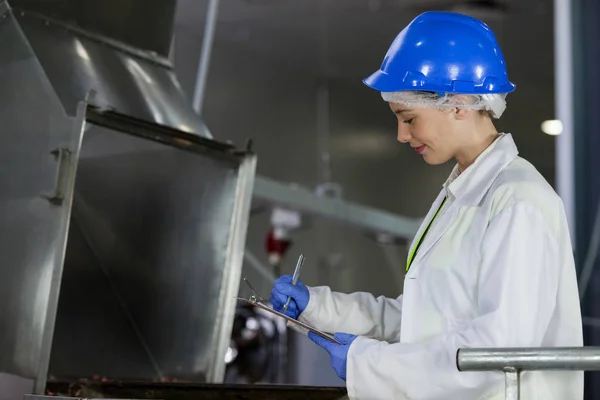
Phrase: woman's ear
{"type": "Point", "coordinates": [461, 113]}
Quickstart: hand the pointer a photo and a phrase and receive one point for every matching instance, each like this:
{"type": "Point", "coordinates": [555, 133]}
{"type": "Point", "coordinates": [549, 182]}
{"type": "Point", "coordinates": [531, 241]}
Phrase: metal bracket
{"type": "Point", "coordinates": [62, 176]}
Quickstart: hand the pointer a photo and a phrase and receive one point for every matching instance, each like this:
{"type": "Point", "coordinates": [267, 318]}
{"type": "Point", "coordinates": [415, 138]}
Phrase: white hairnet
{"type": "Point", "coordinates": [495, 103]}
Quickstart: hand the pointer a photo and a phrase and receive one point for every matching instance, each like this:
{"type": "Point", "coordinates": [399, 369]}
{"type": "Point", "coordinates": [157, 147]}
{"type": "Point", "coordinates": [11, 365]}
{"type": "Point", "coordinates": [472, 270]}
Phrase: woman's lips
{"type": "Point", "coordinates": [419, 150]}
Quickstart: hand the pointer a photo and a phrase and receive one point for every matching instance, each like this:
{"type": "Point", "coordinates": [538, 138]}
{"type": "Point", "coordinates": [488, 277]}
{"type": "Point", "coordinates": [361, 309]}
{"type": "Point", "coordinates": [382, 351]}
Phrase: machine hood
{"type": "Point", "coordinates": [111, 48]}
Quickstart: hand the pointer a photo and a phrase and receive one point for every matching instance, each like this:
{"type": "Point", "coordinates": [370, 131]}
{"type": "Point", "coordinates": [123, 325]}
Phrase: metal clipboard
{"type": "Point", "coordinates": [290, 319]}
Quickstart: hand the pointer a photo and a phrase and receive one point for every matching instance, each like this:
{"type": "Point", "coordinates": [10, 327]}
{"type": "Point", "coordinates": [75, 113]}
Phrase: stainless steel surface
{"type": "Point", "coordinates": [138, 23]}
{"type": "Point", "coordinates": [106, 41]}
{"type": "Point", "coordinates": [33, 230]}
{"type": "Point", "coordinates": [527, 359]}
{"type": "Point", "coordinates": [13, 386]}
{"type": "Point", "coordinates": [132, 81]}
{"type": "Point", "coordinates": [233, 267]}
{"type": "Point", "coordinates": [79, 127]}
{"type": "Point", "coordinates": [154, 253]}
{"type": "Point", "coordinates": [369, 219]}
{"type": "Point", "coordinates": [204, 61]}
{"type": "Point", "coordinates": [512, 382]}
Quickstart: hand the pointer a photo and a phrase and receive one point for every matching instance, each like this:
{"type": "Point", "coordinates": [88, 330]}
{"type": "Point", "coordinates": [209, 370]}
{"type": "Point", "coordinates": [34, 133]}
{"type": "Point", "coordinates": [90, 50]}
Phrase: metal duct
{"type": "Point", "coordinates": [106, 46]}
{"type": "Point", "coordinates": [143, 24]}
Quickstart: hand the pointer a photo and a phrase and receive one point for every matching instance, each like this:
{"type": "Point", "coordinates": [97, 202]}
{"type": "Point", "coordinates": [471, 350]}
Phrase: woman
{"type": "Point", "coordinates": [492, 264]}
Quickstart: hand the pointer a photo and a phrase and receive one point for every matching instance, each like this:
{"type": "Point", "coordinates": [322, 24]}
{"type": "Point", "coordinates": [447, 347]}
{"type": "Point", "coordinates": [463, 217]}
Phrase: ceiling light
{"type": "Point", "coordinates": [552, 127]}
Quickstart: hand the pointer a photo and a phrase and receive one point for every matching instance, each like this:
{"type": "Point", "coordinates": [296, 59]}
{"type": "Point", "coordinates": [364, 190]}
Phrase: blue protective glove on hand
{"type": "Point", "coordinates": [282, 289]}
{"type": "Point", "coordinates": [337, 352]}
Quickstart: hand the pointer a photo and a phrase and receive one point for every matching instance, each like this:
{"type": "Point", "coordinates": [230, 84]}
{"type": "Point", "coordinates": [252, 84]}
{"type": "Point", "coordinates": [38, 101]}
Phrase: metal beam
{"type": "Point", "coordinates": [378, 222]}
{"type": "Point", "coordinates": [204, 62]}
{"type": "Point", "coordinates": [564, 98]}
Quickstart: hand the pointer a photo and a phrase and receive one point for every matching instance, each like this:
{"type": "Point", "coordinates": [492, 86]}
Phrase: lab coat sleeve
{"type": "Point", "coordinates": [518, 282]}
{"type": "Point", "coordinates": [356, 313]}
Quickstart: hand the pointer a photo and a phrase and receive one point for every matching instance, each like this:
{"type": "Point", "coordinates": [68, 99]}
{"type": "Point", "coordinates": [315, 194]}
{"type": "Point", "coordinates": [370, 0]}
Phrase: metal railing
{"type": "Point", "coordinates": [513, 361]}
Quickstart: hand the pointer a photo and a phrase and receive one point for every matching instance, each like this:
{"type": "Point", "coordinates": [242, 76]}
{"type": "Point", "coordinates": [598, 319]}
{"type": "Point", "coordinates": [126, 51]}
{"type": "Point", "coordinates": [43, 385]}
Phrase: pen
{"type": "Point", "coordinates": [294, 279]}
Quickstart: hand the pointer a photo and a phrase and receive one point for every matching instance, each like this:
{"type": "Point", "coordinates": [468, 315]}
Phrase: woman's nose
{"type": "Point", "coordinates": [403, 133]}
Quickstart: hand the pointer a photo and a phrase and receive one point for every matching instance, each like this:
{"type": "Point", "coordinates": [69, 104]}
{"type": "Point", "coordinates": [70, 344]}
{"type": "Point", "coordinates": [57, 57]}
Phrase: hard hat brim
{"type": "Point", "coordinates": [383, 82]}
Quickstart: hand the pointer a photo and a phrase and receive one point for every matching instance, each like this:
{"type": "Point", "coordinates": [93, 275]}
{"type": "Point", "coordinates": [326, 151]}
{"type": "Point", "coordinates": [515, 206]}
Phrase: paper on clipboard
{"type": "Point", "coordinates": [290, 319]}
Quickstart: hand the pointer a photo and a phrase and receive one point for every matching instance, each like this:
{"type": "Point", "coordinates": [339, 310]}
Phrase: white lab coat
{"type": "Point", "coordinates": [495, 270]}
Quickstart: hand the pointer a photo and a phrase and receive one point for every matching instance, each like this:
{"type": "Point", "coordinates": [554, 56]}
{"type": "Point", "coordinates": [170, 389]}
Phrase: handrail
{"type": "Point", "coordinates": [512, 361]}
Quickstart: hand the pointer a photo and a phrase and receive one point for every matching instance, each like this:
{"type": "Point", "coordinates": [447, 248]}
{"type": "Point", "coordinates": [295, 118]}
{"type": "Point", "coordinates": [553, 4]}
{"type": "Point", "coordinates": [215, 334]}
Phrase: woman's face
{"type": "Point", "coordinates": [430, 132]}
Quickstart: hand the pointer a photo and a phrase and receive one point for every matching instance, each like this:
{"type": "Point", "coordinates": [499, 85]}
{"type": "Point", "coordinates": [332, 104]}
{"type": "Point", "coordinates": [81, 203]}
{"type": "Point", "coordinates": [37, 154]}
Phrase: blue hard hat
{"type": "Point", "coordinates": [443, 52]}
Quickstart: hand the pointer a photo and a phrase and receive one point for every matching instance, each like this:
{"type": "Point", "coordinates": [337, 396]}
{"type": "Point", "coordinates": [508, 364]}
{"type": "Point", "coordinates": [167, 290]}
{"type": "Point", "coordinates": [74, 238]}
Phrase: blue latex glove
{"type": "Point", "coordinates": [282, 289]}
{"type": "Point", "coordinates": [337, 352]}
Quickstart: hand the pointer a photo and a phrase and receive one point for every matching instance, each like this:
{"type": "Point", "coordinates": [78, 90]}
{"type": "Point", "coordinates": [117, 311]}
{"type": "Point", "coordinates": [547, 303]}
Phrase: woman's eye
{"type": "Point", "coordinates": [408, 121]}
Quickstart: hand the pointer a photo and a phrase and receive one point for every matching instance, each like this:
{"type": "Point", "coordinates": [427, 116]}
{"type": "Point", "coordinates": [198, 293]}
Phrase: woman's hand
{"type": "Point", "coordinates": [282, 289]}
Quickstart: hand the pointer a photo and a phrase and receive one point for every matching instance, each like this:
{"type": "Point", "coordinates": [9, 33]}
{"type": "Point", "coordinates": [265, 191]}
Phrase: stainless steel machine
{"type": "Point", "coordinates": [123, 227]}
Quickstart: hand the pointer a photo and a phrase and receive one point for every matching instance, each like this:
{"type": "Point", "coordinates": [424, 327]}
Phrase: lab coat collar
{"type": "Point", "coordinates": [471, 185]}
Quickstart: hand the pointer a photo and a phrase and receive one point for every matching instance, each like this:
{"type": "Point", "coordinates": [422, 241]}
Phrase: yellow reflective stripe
{"type": "Point", "coordinates": [418, 243]}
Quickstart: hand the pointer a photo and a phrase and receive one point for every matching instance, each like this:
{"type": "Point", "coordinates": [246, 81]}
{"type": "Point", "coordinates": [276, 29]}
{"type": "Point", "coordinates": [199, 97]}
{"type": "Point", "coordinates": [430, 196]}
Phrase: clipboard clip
{"type": "Point", "coordinates": [255, 297]}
